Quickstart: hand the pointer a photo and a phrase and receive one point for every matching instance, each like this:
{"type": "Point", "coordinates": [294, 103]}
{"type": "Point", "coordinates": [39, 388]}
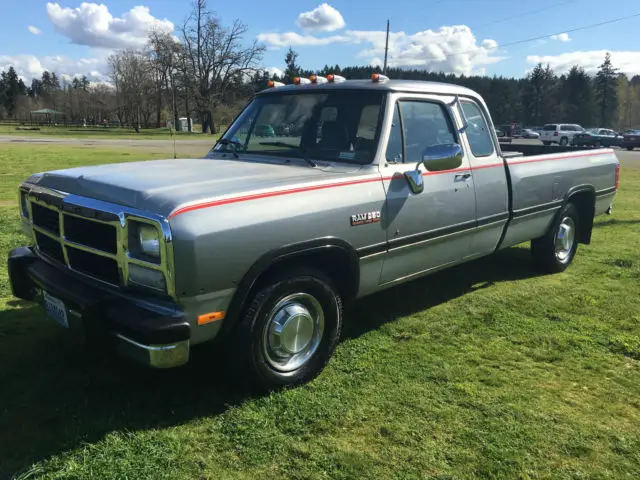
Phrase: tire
{"type": "Point", "coordinates": [258, 354]}
{"type": "Point", "coordinates": [629, 148]}
{"type": "Point", "coordinates": [546, 143]}
{"type": "Point", "coordinates": [546, 255]}
{"type": "Point", "coordinates": [564, 141]}
{"type": "Point", "coordinates": [598, 144]}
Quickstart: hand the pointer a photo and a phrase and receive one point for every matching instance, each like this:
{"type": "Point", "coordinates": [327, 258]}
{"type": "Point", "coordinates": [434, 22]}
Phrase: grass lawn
{"type": "Point", "coordinates": [487, 370]}
{"type": "Point", "coordinates": [101, 132]}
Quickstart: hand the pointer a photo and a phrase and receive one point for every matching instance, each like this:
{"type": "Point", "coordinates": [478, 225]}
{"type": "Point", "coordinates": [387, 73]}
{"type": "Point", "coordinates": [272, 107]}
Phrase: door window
{"type": "Point", "coordinates": [416, 126]}
{"type": "Point", "coordinates": [478, 134]}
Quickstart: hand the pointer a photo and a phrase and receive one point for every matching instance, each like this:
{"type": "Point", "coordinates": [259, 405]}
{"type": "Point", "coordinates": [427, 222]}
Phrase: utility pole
{"type": "Point", "coordinates": [386, 50]}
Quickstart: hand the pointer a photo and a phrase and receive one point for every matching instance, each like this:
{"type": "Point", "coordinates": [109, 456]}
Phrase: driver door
{"type": "Point", "coordinates": [434, 228]}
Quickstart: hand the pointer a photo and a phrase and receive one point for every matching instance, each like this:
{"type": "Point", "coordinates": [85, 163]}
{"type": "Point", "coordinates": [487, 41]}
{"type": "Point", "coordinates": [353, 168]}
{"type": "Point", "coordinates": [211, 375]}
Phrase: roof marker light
{"type": "Point", "coordinates": [273, 83]}
{"type": "Point", "coordinates": [378, 77]}
{"type": "Point", "coordinates": [317, 79]}
{"type": "Point", "coordinates": [331, 78]}
{"type": "Point", "coordinates": [301, 80]}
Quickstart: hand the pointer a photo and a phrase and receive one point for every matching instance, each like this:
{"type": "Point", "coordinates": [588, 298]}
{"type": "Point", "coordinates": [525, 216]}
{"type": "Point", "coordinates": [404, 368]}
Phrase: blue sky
{"type": "Point", "coordinates": [461, 36]}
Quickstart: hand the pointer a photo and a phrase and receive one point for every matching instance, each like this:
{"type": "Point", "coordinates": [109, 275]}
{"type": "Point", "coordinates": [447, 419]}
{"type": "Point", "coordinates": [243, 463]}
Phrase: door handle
{"type": "Point", "coordinates": [463, 176]}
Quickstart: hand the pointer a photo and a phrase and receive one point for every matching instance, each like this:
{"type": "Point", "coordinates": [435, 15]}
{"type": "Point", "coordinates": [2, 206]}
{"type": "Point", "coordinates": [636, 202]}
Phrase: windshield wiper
{"type": "Point", "coordinates": [234, 143]}
{"type": "Point", "coordinates": [302, 150]}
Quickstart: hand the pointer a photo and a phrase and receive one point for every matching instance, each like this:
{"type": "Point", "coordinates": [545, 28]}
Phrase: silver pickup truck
{"type": "Point", "coordinates": [319, 193]}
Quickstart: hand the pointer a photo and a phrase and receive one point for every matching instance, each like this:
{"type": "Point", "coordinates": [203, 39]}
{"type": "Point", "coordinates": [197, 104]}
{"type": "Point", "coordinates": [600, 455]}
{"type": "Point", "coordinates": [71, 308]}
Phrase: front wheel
{"type": "Point", "coordinates": [555, 251]}
{"type": "Point", "coordinates": [288, 332]}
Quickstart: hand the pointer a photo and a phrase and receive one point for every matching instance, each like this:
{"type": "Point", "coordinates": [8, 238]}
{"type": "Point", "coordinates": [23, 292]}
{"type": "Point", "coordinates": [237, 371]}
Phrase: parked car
{"type": "Point", "coordinates": [631, 140]}
{"type": "Point", "coordinates": [560, 133]}
{"type": "Point", "coordinates": [502, 136]}
{"type": "Point", "coordinates": [597, 137]}
{"type": "Point", "coordinates": [528, 133]}
{"type": "Point", "coordinates": [259, 244]}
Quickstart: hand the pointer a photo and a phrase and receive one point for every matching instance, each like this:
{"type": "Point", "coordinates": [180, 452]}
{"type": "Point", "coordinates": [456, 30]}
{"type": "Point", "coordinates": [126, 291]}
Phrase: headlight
{"type": "Point", "coordinates": [149, 240]}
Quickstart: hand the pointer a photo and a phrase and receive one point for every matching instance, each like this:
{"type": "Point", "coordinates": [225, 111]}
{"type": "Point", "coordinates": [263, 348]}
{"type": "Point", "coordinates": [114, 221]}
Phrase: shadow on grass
{"type": "Point", "coordinates": [56, 395]}
{"type": "Point", "coordinates": [418, 295]}
{"type": "Point", "coordinates": [615, 221]}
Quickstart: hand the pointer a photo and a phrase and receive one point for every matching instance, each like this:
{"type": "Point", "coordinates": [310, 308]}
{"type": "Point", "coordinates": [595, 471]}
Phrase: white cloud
{"type": "Point", "coordinates": [275, 71]}
{"type": "Point", "coordinates": [30, 66]}
{"type": "Point", "coordinates": [93, 25]}
{"type": "Point", "coordinates": [627, 62]}
{"type": "Point", "coordinates": [323, 18]}
{"type": "Point", "coordinates": [448, 49]}
{"type": "Point", "coordinates": [279, 40]}
{"type": "Point", "coordinates": [562, 37]}
{"type": "Point", "coordinates": [34, 30]}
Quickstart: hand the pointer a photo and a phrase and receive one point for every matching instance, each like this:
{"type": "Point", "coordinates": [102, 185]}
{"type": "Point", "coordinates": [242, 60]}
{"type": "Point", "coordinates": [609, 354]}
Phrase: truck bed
{"type": "Point", "coordinates": [542, 177]}
{"type": "Point", "coordinates": [510, 150]}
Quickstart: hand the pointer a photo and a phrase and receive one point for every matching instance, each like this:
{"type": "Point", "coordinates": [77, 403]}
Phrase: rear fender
{"type": "Point", "coordinates": [584, 198]}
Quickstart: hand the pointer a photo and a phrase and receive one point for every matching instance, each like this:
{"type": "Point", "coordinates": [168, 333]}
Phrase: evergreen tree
{"type": "Point", "coordinates": [11, 89]}
{"type": "Point", "coordinates": [577, 95]}
{"type": "Point", "coordinates": [606, 89]}
{"type": "Point", "coordinates": [292, 68]}
{"type": "Point", "coordinates": [538, 97]}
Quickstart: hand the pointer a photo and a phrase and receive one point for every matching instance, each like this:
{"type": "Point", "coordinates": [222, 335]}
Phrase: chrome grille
{"type": "Point", "coordinates": [84, 245]}
{"type": "Point", "coordinates": [101, 236]}
{"type": "Point", "coordinates": [91, 237]}
{"type": "Point", "coordinates": [46, 218]}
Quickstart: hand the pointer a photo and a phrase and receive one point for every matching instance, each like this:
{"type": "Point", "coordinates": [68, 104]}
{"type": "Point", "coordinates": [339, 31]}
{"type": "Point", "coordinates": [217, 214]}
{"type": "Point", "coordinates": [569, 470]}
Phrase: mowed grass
{"type": "Point", "coordinates": [487, 370]}
{"type": "Point", "coordinates": [99, 132]}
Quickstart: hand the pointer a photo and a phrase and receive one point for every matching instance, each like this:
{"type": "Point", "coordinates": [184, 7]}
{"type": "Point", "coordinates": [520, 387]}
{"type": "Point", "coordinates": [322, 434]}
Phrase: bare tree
{"type": "Point", "coordinates": [132, 77]}
{"type": "Point", "coordinates": [164, 54]}
{"type": "Point", "coordinates": [215, 57]}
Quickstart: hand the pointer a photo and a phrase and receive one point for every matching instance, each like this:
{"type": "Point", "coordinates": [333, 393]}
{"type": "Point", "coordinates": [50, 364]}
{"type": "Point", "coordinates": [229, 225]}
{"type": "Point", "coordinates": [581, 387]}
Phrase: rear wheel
{"type": "Point", "coordinates": [288, 332]}
{"type": "Point", "coordinates": [555, 251]}
{"type": "Point", "coordinates": [546, 143]}
{"type": "Point", "coordinates": [564, 141]}
{"type": "Point", "coordinates": [598, 144]}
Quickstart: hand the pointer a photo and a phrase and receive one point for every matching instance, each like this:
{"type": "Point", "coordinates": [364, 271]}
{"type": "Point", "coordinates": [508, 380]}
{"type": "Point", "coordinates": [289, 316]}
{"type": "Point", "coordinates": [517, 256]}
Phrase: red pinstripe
{"type": "Point", "coordinates": [290, 191]}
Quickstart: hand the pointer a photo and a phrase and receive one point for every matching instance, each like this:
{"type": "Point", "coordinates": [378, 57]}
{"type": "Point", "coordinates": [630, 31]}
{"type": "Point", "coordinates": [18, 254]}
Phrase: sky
{"type": "Point", "coordinates": [493, 37]}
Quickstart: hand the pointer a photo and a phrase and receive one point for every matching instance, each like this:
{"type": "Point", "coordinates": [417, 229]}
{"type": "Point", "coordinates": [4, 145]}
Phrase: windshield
{"type": "Point", "coordinates": [340, 125]}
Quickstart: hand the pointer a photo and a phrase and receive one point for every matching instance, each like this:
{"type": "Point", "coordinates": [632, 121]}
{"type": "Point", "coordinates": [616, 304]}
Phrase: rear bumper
{"type": "Point", "coordinates": [155, 335]}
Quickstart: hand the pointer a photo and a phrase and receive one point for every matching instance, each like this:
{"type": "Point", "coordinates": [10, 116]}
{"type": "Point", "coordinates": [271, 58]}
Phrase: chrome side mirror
{"type": "Point", "coordinates": [442, 157]}
{"type": "Point", "coordinates": [434, 158]}
{"type": "Point", "coordinates": [415, 180]}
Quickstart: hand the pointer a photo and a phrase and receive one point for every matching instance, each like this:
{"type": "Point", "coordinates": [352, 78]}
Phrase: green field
{"type": "Point", "coordinates": [100, 132]}
{"type": "Point", "coordinates": [487, 370]}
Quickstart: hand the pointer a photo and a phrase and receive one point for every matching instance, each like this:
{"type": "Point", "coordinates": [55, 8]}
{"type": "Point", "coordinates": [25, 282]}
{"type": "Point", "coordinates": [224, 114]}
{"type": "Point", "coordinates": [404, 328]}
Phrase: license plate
{"type": "Point", "coordinates": [55, 309]}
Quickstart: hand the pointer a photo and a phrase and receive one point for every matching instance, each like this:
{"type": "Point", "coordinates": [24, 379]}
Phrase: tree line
{"type": "Point", "coordinates": [607, 99]}
{"type": "Point", "coordinates": [209, 72]}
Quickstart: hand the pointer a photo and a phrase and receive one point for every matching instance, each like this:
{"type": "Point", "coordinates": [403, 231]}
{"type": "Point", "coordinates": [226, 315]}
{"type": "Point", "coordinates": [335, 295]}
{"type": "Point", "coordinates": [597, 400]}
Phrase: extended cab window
{"type": "Point", "coordinates": [417, 125]}
{"type": "Point", "coordinates": [338, 125]}
{"type": "Point", "coordinates": [480, 139]}
{"type": "Point", "coordinates": [394, 146]}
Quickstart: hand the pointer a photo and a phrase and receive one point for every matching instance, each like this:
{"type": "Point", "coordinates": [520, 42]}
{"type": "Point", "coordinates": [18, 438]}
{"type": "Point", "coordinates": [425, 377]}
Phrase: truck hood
{"type": "Point", "coordinates": [159, 186]}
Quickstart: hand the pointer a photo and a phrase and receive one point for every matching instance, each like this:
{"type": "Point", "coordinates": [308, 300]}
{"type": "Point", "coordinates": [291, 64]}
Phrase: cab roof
{"type": "Point", "coordinates": [412, 86]}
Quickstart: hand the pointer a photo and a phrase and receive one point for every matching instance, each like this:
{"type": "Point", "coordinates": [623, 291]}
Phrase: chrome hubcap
{"type": "Point", "coordinates": [565, 239]}
{"type": "Point", "coordinates": [293, 331]}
